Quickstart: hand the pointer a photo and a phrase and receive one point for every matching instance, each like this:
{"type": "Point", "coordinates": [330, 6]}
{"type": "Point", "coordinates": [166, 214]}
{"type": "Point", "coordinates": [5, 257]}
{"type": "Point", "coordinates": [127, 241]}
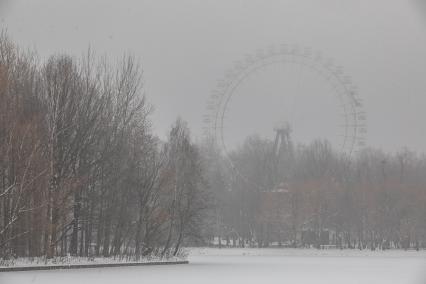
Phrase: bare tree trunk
{"type": "Point", "coordinates": [178, 242]}
{"type": "Point", "coordinates": [75, 224]}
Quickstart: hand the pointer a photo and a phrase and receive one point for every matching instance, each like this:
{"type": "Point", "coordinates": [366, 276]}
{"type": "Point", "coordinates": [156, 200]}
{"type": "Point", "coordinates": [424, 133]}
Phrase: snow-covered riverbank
{"type": "Point", "coordinates": [80, 261]}
{"type": "Point", "coordinates": [253, 266]}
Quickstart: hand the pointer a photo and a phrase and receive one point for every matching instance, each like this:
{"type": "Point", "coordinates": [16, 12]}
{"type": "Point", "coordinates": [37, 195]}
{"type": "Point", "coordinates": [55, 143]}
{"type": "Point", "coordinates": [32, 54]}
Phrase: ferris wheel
{"type": "Point", "coordinates": [352, 124]}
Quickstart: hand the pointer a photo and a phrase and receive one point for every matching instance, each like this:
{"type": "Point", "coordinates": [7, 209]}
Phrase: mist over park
{"type": "Point", "coordinates": [205, 141]}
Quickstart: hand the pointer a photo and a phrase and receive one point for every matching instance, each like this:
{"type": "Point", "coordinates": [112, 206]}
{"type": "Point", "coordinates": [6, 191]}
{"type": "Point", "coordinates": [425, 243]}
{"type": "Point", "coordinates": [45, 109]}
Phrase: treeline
{"type": "Point", "coordinates": [317, 196]}
{"type": "Point", "coordinates": [80, 171]}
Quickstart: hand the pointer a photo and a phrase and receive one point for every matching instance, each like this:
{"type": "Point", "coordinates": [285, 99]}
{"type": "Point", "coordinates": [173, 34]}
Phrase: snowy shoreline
{"type": "Point", "coordinates": [88, 265]}
{"type": "Point", "coordinates": [27, 264]}
{"type": "Point", "coordinates": [20, 264]}
{"type": "Point", "coordinates": [252, 266]}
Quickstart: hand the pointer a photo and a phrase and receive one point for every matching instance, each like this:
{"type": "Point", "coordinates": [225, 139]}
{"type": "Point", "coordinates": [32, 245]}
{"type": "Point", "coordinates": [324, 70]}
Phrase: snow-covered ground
{"type": "Point", "coordinates": [26, 262]}
{"type": "Point", "coordinates": [260, 266]}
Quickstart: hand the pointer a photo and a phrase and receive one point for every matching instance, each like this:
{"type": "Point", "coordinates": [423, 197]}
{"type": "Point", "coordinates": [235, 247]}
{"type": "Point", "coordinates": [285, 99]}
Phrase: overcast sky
{"type": "Point", "coordinates": [186, 46]}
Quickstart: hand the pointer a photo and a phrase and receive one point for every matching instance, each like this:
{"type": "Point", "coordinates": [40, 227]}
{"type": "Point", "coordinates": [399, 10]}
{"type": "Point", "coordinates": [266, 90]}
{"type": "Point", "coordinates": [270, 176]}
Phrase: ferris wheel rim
{"type": "Point", "coordinates": [322, 66]}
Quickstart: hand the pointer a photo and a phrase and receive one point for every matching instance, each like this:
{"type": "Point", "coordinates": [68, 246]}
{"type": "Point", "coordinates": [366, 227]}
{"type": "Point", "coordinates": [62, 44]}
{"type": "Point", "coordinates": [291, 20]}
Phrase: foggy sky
{"type": "Point", "coordinates": [186, 46]}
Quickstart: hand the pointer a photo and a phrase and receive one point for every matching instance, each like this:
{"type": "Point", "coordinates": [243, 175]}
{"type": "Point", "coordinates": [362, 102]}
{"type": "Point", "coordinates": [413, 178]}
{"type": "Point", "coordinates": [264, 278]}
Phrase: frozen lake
{"type": "Point", "coordinates": [258, 266]}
